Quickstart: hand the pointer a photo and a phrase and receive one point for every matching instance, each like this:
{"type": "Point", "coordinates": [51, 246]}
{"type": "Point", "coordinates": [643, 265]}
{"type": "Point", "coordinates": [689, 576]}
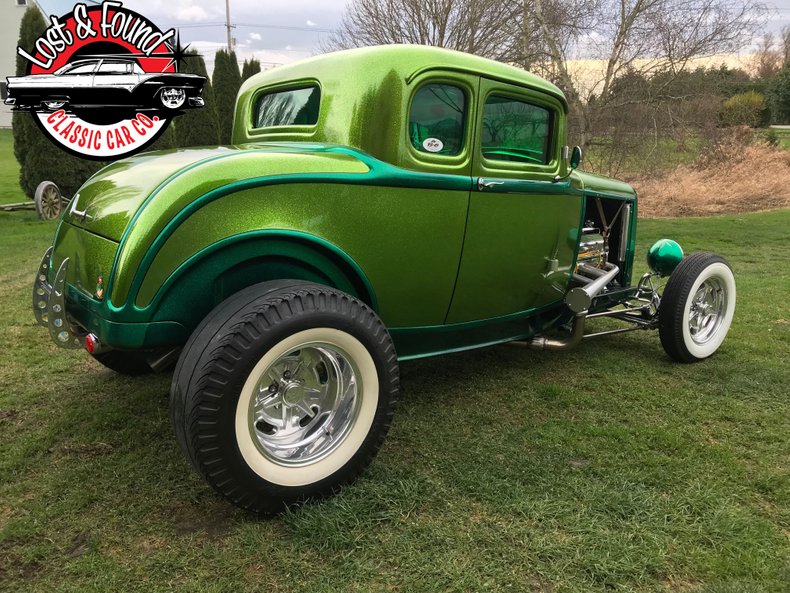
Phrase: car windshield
{"type": "Point", "coordinates": [78, 68]}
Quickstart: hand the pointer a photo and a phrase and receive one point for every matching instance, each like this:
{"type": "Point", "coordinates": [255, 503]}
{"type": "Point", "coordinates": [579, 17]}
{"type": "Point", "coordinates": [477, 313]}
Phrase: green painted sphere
{"type": "Point", "coordinates": [664, 256]}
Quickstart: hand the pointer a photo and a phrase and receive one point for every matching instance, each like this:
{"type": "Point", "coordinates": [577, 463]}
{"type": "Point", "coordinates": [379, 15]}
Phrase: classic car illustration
{"type": "Point", "coordinates": [427, 207]}
{"type": "Point", "coordinates": [102, 82]}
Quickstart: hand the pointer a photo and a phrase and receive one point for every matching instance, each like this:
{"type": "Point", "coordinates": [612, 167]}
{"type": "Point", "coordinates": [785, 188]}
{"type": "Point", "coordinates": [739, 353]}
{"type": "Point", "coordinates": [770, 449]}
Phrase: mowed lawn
{"type": "Point", "coordinates": [10, 192]}
{"type": "Point", "coordinates": [608, 468]}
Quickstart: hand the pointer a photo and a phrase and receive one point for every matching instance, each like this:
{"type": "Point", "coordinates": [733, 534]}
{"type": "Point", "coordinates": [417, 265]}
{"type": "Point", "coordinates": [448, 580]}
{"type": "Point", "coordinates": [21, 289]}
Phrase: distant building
{"type": "Point", "coordinates": [11, 12]}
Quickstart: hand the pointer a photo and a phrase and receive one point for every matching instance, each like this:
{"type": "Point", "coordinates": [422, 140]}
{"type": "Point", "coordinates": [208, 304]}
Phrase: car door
{"type": "Point", "coordinates": [76, 82]}
{"type": "Point", "coordinates": [523, 223]}
{"type": "Point", "coordinates": [114, 81]}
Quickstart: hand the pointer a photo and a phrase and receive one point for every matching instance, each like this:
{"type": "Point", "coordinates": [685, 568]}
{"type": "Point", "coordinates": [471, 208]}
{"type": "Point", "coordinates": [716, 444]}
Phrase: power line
{"type": "Point", "coordinates": [261, 26]}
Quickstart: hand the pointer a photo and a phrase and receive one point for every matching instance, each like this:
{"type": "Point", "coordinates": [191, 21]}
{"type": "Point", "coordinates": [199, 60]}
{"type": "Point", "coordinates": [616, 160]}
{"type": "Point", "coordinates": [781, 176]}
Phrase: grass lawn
{"type": "Point", "coordinates": [10, 191]}
{"type": "Point", "coordinates": [608, 468]}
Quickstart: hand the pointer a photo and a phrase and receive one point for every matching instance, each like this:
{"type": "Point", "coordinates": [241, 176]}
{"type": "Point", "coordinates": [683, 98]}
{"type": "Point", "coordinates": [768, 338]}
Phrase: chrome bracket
{"type": "Point", "coordinates": [59, 327]}
{"type": "Point", "coordinates": [42, 290]}
{"type": "Point", "coordinates": [49, 304]}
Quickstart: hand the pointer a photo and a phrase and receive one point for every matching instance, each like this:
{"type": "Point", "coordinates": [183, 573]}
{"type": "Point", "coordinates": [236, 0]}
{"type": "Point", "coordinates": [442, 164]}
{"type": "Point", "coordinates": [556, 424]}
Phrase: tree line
{"type": "Point", "coordinates": [212, 124]}
{"type": "Point", "coordinates": [629, 68]}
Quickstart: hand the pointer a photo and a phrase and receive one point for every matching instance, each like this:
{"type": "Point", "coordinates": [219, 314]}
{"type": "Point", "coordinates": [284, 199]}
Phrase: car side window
{"type": "Point", "coordinates": [515, 131]}
{"type": "Point", "coordinates": [294, 107]}
{"type": "Point", "coordinates": [113, 68]}
{"type": "Point", "coordinates": [436, 119]}
{"type": "Point", "coordinates": [82, 69]}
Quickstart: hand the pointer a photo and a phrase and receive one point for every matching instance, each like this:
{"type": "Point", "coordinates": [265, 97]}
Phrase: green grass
{"type": "Point", "coordinates": [645, 156]}
{"type": "Point", "coordinates": [607, 468]}
{"type": "Point", "coordinates": [10, 191]}
{"type": "Point", "coordinates": [783, 136]}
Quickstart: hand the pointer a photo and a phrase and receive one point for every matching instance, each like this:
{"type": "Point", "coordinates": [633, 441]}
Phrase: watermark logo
{"type": "Point", "coordinates": [103, 83]}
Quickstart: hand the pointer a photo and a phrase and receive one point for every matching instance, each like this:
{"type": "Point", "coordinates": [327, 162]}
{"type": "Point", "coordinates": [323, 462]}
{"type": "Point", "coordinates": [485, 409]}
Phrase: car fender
{"type": "Point", "coordinates": [238, 261]}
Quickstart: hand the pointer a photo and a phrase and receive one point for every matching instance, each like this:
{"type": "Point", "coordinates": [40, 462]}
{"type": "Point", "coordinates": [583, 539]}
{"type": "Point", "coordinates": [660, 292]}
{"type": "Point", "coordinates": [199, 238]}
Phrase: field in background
{"type": "Point", "coordinates": [746, 179]}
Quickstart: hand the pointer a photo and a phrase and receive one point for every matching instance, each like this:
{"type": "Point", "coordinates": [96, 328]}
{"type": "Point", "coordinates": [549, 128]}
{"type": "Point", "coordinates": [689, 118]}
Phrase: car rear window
{"type": "Point", "coordinates": [294, 107]}
{"type": "Point", "coordinates": [436, 119]}
{"type": "Point", "coordinates": [515, 131]}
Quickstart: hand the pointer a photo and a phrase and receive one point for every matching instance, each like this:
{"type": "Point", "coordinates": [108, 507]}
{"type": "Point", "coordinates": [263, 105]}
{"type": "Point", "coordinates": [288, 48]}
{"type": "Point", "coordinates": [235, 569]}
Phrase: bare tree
{"type": "Point", "coordinates": [589, 48]}
{"type": "Point", "coordinates": [768, 58]}
{"type": "Point", "coordinates": [642, 36]}
{"type": "Point", "coordinates": [482, 27]}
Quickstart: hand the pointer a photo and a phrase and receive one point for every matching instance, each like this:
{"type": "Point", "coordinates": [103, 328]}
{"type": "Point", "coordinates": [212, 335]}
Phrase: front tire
{"type": "Point", "coordinates": [697, 307]}
{"type": "Point", "coordinates": [172, 98]}
{"type": "Point", "coordinates": [284, 392]}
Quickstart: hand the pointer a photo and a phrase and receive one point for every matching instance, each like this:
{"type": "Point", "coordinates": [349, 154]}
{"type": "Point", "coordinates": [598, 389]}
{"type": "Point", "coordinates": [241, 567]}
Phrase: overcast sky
{"type": "Point", "coordinates": [201, 23]}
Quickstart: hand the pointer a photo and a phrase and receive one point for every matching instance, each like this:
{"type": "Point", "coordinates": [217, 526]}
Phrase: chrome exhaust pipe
{"type": "Point", "coordinates": [578, 300]}
{"type": "Point", "coordinates": [569, 341]}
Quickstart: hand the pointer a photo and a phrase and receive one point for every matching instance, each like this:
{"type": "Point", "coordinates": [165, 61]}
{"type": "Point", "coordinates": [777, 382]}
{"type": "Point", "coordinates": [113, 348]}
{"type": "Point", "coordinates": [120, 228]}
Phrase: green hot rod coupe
{"type": "Point", "coordinates": [377, 205]}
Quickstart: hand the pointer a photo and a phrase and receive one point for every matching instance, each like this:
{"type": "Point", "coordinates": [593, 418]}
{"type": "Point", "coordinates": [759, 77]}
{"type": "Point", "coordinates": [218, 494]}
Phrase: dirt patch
{"type": "Point", "coordinates": [78, 546]}
{"type": "Point", "coordinates": [210, 526]}
{"type": "Point", "coordinates": [748, 179]}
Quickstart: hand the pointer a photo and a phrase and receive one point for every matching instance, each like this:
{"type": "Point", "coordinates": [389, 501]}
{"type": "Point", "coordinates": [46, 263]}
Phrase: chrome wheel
{"type": "Point", "coordinates": [707, 310]}
{"type": "Point", "coordinates": [54, 105]}
{"type": "Point", "coordinates": [172, 98]}
{"type": "Point", "coordinates": [305, 404]}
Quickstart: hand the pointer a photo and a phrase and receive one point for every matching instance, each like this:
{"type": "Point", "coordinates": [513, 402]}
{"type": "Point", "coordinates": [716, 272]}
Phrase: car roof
{"type": "Point", "coordinates": [405, 61]}
{"type": "Point", "coordinates": [99, 59]}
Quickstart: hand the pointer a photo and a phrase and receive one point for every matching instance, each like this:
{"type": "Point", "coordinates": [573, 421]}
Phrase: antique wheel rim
{"type": "Point", "coordinates": [50, 202]}
{"type": "Point", "coordinates": [173, 98]}
{"type": "Point", "coordinates": [54, 105]}
{"type": "Point", "coordinates": [305, 404]}
{"type": "Point", "coordinates": [707, 311]}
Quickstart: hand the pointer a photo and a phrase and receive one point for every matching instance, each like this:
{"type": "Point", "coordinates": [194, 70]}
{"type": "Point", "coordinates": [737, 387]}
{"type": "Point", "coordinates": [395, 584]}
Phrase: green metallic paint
{"type": "Point", "coordinates": [605, 187]}
{"type": "Point", "coordinates": [367, 112]}
{"type": "Point", "coordinates": [422, 341]}
{"type": "Point", "coordinates": [402, 221]}
{"type": "Point", "coordinates": [229, 265]}
{"type": "Point", "coordinates": [663, 256]}
{"type": "Point", "coordinates": [89, 256]}
{"type": "Point", "coordinates": [182, 230]}
{"type": "Point", "coordinates": [513, 260]}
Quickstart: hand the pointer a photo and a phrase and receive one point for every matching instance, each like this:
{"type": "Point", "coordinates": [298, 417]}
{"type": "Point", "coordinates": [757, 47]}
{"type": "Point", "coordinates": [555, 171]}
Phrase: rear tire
{"type": "Point", "coordinates": [697, 307]}
{"type": "Point", "coordinates": [284, 392]}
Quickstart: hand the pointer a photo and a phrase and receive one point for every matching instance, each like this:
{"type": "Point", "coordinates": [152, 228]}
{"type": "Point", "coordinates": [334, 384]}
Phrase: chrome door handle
{"type": "Point", "coordinates": [483, 184]}
{"type": "Point", "coordinates": [82, 214]}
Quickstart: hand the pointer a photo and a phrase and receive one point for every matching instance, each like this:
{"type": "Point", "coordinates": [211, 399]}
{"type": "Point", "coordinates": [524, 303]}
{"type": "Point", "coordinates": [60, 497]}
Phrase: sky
{"type": "Point", "coordinates": [257, 24]}
{"type": "Point", "coordinates": [273, 31]}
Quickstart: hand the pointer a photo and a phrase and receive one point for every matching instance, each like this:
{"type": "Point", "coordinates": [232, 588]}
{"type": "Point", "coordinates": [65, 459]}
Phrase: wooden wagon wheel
{"type": "Point", "coordinates": [48, 200]}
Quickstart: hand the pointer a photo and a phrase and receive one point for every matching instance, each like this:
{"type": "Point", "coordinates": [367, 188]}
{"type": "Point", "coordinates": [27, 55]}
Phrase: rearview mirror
{"type": "Point", "coordinates": [576, 157]}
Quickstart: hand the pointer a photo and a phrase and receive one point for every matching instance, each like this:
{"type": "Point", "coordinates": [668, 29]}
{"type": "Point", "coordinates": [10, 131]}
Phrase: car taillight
{"type": "Point", "coordinates": [91, 343]}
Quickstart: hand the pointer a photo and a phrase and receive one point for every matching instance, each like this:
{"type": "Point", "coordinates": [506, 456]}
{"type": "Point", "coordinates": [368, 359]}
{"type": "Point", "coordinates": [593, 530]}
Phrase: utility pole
{"type": "Point", "coordinates": [227, 25]}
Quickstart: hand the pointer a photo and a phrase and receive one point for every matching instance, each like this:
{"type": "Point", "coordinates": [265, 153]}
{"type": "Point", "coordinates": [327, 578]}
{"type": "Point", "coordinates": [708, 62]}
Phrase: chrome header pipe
{"type": "Point", "coordinates": [578, 300]}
